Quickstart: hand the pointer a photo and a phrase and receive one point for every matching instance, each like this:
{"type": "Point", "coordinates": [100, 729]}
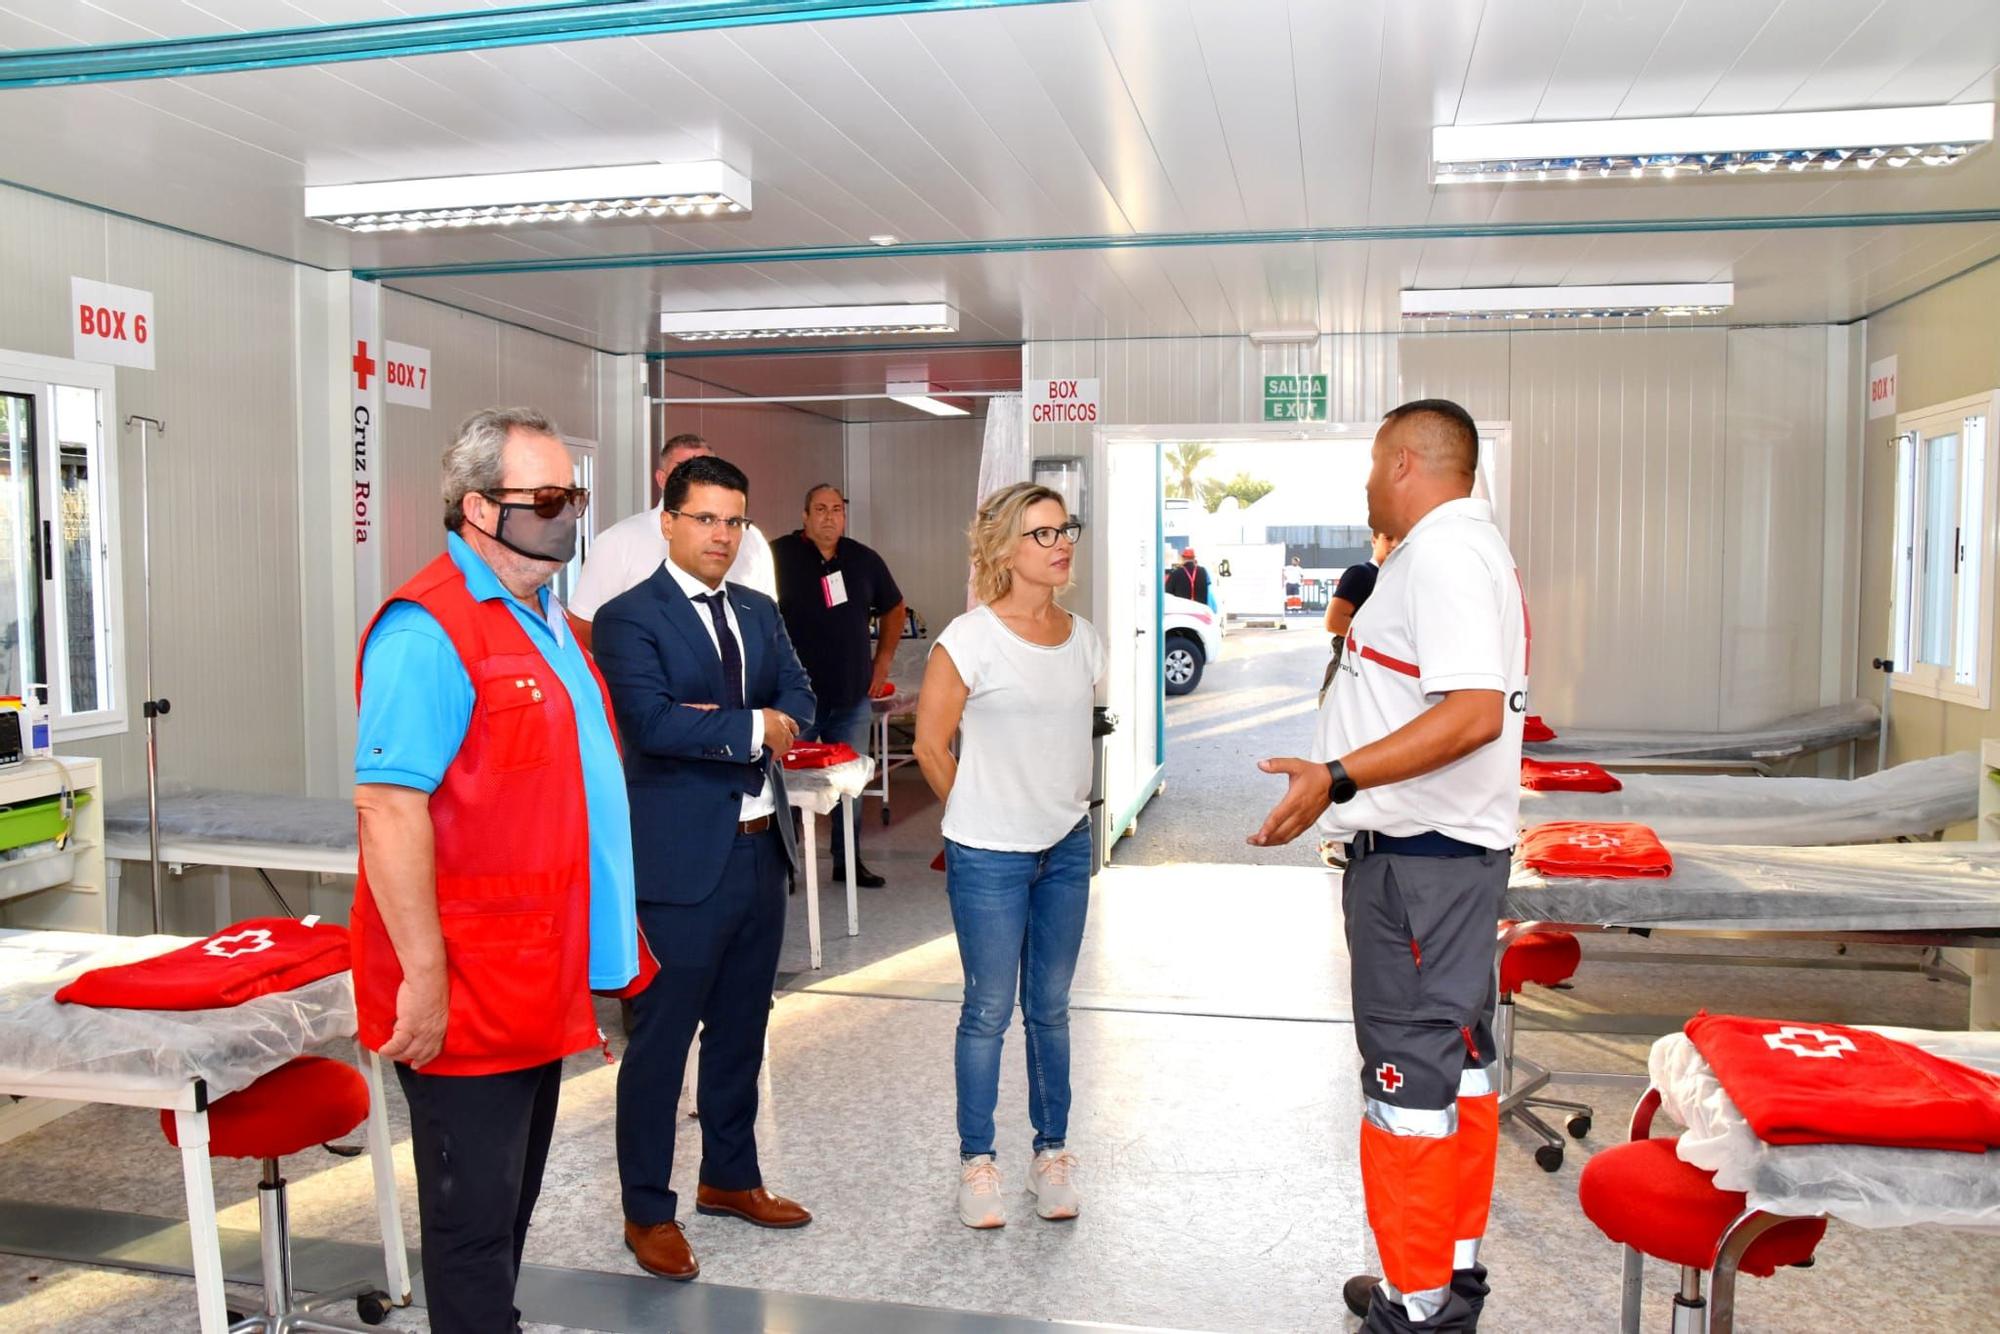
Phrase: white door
{"type": "Point", "coordinates": [1133, 684]}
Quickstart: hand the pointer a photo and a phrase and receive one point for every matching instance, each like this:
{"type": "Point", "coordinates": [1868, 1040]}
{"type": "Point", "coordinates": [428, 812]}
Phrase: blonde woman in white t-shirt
{"type": "Point", "coordinates": [1015, 678]}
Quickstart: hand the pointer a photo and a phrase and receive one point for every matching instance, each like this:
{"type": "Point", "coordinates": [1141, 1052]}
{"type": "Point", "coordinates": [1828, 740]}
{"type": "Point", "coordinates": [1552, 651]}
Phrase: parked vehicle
{"type": "Point", "coordinates": [1192, 636]}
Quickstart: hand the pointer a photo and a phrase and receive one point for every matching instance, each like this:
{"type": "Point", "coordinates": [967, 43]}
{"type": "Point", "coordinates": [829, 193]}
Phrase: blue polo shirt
{"type": "Point", "coordinates": [416, 702]}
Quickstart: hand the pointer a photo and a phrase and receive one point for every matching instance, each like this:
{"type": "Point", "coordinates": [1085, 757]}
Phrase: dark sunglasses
{"type": "Point", "coordinates": [549, 501]}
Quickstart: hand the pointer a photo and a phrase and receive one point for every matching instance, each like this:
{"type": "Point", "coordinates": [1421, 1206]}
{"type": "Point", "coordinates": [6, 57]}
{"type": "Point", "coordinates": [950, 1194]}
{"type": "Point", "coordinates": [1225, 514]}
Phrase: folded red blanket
{"type": "Point", "coordinates": [818, 754]}
{"type": "Point", "coordinates": [236, 964]}
{"type": "Point", "coordinates": [1802, 1083]}
{"type": "Point", "coordinates": [1534, 729]}
{"type": "Point", "coordinates": [1588, 849]}
{"type": "Point", "coordinates": [1567, 776]}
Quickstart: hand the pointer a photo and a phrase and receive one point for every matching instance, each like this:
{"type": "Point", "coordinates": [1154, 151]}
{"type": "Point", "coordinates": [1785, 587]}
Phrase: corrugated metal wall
{"type": "Point", "coordinates": [475, 363]}
{"type": "Point", "coordinates": [782, 450]}
{"type": "Point", "coordinates": [911, 485]}
{"type": "Point", "coordinates": [1667, 503]}
{"type": "Point", "coordinates": [224, 484]}
{"type": "Point", "coordinates": [1947, 346]}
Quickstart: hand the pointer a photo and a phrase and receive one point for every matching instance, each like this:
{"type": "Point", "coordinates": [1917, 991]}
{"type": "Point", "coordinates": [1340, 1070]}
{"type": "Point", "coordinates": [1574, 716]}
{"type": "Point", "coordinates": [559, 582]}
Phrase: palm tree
{"type": "Point", "coordinates": [1185, 461]}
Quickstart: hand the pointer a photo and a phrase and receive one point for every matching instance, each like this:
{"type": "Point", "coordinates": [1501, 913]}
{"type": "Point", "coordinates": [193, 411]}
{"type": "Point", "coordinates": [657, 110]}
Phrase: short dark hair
{"type": "Point", "coordinates": [1453, 437]}
{"type": "Point", "coordinates": [818, 487]}
{"type": "Point", "coordinates": [702, 470]}
{"type": "Point", "coordinates": [685, 440]}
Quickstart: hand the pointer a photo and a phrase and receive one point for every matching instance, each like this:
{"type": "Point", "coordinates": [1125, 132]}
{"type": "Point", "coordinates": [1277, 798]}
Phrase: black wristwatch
{"type": "Point", "coordinates": [1344, 788]}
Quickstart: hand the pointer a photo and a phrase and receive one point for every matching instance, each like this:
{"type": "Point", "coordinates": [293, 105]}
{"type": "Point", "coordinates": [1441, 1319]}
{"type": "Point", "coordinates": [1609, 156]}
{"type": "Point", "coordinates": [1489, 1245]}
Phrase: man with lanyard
{"type": "Point", "coordinates": [829, 587]}
{"type": "Point", "coordinates": [1415, 768]}
{"type": "Point", "coordinates": [496, 884]}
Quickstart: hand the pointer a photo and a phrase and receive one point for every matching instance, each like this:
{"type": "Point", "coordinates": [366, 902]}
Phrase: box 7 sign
{"type": "Point", "coordinates": [406, 375]}
{"type": "Point", "coordinates": [110, 324]}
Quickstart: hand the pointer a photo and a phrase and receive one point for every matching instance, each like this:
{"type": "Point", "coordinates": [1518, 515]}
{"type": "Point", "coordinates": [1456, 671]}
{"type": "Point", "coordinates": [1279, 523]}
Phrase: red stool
{"type": "Point", "coordinates": [1642, 1196]}
{"type": "Point", "coordinates": [1548, 958]}
{"type": "Point", "coordinates": [310, 1101]}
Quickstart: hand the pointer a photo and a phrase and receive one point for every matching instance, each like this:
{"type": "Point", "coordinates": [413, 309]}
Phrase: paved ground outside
{"type": "Point", "coordinates": [1257, 700]}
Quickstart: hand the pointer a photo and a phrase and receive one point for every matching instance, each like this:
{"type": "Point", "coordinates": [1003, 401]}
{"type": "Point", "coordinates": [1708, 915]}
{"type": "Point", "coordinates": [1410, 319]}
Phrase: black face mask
{"type": "Point", "coordinates": [526, 533]}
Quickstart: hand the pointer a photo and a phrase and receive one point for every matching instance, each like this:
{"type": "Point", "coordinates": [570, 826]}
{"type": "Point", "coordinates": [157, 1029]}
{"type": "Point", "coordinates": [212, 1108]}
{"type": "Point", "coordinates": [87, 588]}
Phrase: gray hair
{"type": "Point", "coordinates": [473, 462]}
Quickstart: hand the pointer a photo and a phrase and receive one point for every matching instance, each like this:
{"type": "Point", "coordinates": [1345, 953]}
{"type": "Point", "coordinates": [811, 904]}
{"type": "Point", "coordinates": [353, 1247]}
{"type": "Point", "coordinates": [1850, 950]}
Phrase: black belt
{"type": "Point", "coordinates": [1430, 843]}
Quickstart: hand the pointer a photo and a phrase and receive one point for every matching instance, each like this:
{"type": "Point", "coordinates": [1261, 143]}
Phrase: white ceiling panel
{"type": "Point", "coordinates": [1693, 54]}
{"type": "Point", "coordinates": [1797, 41]}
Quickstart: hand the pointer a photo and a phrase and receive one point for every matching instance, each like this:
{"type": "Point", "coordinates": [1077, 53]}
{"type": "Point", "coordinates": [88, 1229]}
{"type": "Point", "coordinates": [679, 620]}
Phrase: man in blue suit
{"type": "Point", "coordinates": [708, 694]}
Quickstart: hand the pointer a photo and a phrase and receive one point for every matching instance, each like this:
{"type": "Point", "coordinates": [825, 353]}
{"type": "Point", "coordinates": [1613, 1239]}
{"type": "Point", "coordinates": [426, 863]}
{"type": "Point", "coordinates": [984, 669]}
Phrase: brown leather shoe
{"type": "Point", "coordinates": [757, 1206]}
{"type": "Point", "coordinates": [662, 1249]}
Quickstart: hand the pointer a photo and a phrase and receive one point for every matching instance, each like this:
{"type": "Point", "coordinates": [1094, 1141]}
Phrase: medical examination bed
{"type": "Point", "coordinates": [180, 1061]}
{"type": "Point", "coordinates": [259, 832]}
{"type": "Point", "coordinates": [906, 677]}
{"type": "Point", "coordinates": [1786, 739]}
{"type": "Point", "coordinates": [1910, 800]}
{"type": "Point", "coordinates": [1862, 1185]}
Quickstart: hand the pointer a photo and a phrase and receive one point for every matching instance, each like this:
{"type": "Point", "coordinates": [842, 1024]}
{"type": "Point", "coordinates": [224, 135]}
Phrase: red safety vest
{"type": "Point", "coordinates": [513, 855]}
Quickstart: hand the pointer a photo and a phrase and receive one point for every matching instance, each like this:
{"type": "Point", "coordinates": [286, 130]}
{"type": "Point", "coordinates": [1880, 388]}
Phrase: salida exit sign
{"type": "Point", "coordinates": [1295, 398]}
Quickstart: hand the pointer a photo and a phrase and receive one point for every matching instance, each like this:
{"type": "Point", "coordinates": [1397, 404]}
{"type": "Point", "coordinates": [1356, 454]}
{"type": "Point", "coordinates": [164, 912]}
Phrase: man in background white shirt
{"type": "Point", "coordinates": [627, 553]}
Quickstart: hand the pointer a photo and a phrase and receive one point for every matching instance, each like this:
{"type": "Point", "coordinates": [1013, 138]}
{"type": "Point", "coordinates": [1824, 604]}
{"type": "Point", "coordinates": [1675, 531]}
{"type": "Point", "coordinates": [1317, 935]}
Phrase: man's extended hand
{"type": "Point", "coordinates": [878, 679]}
{"type": "Point", "coordinates": [779, 732]}
{"type": "Point", "coordinates": [1308, 796]}
{"type": "Point", "coordinates": [423, 1003]}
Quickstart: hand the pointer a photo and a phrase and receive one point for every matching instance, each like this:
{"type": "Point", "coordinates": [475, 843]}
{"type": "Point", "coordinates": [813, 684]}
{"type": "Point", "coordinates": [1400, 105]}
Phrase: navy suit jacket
{"type": "Point", "coordinates": [686, 769]}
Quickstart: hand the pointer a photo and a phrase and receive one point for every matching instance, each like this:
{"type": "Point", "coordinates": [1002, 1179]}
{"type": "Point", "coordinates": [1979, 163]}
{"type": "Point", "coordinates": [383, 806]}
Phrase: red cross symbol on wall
{"type": "Point", "coordinates": [1389, 1077]}
{"type": "Point", "coordinates": [364, 365]}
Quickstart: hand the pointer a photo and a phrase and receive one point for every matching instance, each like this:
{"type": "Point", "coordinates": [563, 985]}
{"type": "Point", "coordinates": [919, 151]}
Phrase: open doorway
{"type": "Point", "coordinates": [1219, 657]}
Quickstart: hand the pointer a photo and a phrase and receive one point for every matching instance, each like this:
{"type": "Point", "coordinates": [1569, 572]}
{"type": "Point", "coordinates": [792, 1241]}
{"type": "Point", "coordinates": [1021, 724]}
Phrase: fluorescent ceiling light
{"type": "Point", "coordinates": [808, 322]}
{"type": "Point", "coordinates": [1261, 337]}
{"type": "Point", "coordinates": [1706, 145]}
{"type": "Point", "coordinates": [644, 190]}
{"type": "Point", "coordinates": [918, 394]}
{"type": "Point", "coordinates": [1621, 301]}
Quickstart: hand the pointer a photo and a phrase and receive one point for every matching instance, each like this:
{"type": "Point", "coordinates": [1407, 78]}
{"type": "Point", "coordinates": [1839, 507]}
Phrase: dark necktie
{"type": "Point", "coordinates": [732, 676]}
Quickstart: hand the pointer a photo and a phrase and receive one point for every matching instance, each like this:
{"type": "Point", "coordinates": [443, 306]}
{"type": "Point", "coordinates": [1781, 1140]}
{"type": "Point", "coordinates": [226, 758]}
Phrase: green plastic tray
{"type": "Point", "coordinates": [34, 821]}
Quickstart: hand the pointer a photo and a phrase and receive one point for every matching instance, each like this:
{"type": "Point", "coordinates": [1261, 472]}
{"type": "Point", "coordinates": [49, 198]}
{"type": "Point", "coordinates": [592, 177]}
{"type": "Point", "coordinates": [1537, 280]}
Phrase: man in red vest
{"type": "Point", "coordinates": [496, 856]}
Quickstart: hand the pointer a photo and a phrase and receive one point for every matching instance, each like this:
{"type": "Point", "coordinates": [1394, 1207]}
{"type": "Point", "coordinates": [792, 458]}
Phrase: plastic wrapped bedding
{"type": "Point", "coordinates": [242, 817]}
{"type": "Point", "coordinates": [41, 1040]}
{"type": "Point", "coordinates": [1802, 734]}
{"type": "Point", "coordinates": [1920, 797]}
{"type": "Point", "coordinates": [1858, 1184]}
{"type": "Point", "coordinates": [1880, 887]}
{"type": "Point", "coordinates": [820, 790]}
{"type": "Point", "coordinates": [906, 674]}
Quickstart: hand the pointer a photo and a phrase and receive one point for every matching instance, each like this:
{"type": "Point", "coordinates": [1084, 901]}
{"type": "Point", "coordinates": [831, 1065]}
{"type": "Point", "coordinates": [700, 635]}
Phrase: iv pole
{"type": "Point", "coordinates": [154, 709]}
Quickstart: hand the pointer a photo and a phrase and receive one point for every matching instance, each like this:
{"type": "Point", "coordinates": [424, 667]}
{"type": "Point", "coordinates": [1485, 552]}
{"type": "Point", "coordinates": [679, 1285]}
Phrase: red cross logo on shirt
{"type": "Point", "coordinates": [1572, 773]}
{"type": "Point", "coordinates": [1597, 838]}
{"type": "Point", "coordinates": [255, 940]}
{"type": "Point", "coordinates": [364, 365]}
{"type": "Point", "coordinates": [1810, 1042]}
{"type": "Point", "coordinates": [1389, 1077]}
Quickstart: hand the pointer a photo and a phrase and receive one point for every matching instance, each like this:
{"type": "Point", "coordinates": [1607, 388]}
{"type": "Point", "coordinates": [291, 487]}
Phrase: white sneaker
{"type": "Point", "coordinates": [979, 1193]}
{"type": "Point", "coordinates": [1049, 1182]}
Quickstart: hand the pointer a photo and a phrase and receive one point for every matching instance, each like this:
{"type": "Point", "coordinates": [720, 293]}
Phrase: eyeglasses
{"type": "Point", "coordinates": [708, 522]}
{"type": "Point", "coordinates": [549, 501]}
{"type": "Point", "coordinates": [1046, 537]}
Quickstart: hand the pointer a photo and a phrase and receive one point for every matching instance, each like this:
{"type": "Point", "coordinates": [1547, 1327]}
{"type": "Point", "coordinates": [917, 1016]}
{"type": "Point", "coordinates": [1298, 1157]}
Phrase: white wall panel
{"type": "Point", "coordinates": [782, 450]}
{"type": "Point", "coordinates": [919, 478]}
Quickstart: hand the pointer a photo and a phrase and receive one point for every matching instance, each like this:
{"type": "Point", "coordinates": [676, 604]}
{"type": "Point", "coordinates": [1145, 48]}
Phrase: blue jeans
{"type": "Point", "coordinates": [1019, 918]}
{"type": "Point", "coordinates": [851, 724]}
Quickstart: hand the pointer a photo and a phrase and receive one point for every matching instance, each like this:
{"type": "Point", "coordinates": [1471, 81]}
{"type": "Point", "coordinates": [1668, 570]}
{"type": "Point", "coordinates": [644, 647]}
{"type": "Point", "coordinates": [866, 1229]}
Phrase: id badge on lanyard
{"type": "Point", "coordinates": [834, 586]}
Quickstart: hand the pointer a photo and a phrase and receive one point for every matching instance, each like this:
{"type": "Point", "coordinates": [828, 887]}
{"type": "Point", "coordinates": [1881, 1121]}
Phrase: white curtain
{"type": "Point", "coordinates": [1003, 458]}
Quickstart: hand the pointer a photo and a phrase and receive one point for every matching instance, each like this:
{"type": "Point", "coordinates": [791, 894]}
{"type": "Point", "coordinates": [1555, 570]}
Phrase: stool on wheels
{"type": "Point", "coordinates": [1547, 958]}
{"type": "Point", "coordinates": [310, 1101]}
{"type": "Point", "coordinates": [1642, 1196]}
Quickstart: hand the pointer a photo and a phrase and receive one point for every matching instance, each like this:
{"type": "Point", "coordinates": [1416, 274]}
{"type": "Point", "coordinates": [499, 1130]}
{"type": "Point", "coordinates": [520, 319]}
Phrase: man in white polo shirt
{"type": "Point", "coordinates": [1415, 769]}
{"type": "Point", "coordinates": [627, 553]}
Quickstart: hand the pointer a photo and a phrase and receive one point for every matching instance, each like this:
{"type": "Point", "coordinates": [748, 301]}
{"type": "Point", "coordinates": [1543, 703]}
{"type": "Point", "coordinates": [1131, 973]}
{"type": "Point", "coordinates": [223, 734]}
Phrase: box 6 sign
{"type": "Point", "coordinates": [1062, 402]}
{"type": "Point", "coordinates": [406, 375]}
{"type": "Point", "coordinates": [111, 324]}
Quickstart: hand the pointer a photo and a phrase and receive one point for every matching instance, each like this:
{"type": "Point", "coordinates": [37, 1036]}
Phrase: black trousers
{"type": "Point", "coordinates": [718, 962]}
{"type": "Point", "coordinates": [480, 1144]}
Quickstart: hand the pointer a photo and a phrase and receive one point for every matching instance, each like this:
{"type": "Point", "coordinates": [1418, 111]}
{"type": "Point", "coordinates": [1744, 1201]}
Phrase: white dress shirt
{"type": "Point", "coordinates": [626, 554]}
{"type": "Point", "coordinates": [765, 802]}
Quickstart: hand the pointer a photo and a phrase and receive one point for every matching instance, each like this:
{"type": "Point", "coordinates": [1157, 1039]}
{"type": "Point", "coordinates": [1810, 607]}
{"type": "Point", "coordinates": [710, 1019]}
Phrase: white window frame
{"type": "Point", "coordinates": [1977, 541]}
{"type": "Point", "coordinates": [583, 472]}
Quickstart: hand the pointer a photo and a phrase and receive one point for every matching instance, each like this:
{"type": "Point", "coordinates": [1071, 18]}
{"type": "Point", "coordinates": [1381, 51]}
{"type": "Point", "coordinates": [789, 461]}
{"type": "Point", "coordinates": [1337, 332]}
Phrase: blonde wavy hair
{"type": "Point", "coordinates": [995, 530]}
